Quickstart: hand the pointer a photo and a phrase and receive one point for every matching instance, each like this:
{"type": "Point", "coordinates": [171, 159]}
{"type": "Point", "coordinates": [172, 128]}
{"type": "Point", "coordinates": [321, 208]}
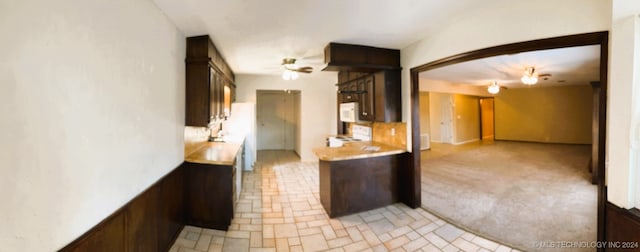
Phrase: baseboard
{"type": "Point", "coordinates": [151, 221]}
{"type": "Point", "coordinates": [468, 141]}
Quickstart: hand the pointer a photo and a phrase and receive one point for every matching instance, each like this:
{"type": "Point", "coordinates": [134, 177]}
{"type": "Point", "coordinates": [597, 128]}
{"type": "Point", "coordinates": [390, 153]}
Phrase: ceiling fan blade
{"type": "Point", "coordinates": [305, 69]}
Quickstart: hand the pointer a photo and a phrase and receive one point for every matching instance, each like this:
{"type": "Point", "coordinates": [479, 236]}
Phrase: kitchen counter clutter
{"type": "Point", "coordinates": [356, 150]}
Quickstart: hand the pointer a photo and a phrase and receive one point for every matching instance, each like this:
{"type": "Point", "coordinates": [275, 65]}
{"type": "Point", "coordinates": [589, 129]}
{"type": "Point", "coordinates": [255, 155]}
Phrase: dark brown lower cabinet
{"type": "Point", "coordinates": [351, 186]}
{"type": "Point", "coordinates": [209, 195]}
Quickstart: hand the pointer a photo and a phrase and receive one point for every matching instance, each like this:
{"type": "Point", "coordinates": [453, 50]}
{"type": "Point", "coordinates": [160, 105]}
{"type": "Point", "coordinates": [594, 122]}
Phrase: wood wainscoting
{"type": "Point", "coordinates": [623, 228]}
{"type": "Point", "coordinates": [149, 222]}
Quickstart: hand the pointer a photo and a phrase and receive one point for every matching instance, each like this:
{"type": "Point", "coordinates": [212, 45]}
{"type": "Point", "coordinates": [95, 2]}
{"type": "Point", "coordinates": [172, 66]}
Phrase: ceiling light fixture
{"type": "Point", "coordinates": [530, 76]}
{"type": "Point", "coordinates": [493, 88]}
{"type": "Point", "coordinates": [289, 75]}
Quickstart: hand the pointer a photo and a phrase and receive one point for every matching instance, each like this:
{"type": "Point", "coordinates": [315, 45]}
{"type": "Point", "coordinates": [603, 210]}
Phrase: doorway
{"type": "Point", "coordinates": [278, 120]}
{"type": "Point", "coordinates": [414, 198]}
{"type": "Point", "coordinates": [486, 118]}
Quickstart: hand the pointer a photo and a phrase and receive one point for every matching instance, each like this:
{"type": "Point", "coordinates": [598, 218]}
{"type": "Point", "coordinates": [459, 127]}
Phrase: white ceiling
{"type": "Point", "coordinates": [254, 35]}
{"type": "Point", "coordinates": [567, 66]}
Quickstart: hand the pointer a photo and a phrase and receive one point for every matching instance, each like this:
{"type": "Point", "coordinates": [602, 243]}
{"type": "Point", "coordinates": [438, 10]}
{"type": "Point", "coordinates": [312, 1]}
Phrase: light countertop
{"type": "Point", "coordinates": [215, 153]}
{"type": "Point", "coordinates": [355, 150]}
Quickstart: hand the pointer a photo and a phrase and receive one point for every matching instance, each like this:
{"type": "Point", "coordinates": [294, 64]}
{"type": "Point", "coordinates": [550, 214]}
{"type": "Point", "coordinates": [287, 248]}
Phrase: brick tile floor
{"type": "Point", "coordinates": [279, 210]}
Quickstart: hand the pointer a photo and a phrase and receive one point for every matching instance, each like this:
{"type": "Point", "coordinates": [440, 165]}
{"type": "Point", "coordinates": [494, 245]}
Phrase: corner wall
{"type": "Point", "coordinates": [318, 103]}
{"type": "Point", "coordinates": [92, 114]}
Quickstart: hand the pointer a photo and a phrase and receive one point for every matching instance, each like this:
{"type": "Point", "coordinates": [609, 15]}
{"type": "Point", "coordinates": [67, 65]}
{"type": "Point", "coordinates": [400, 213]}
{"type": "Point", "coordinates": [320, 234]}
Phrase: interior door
{"type": "Point", "coordinates": [486, 118]}
{"type": "Point", "coordinates": [271, 124]}
{"type": "Point", "coordinates": [446, 123]}
{"type": "Point", "coordinates": [276, 120]}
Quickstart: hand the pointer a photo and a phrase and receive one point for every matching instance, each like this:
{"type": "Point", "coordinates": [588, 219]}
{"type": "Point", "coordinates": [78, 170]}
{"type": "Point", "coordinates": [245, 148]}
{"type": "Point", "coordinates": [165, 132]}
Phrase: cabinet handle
{"type": "Point", "coordinates": [364, 113]}
{"type": "Point", "coordinates": [348, 97]}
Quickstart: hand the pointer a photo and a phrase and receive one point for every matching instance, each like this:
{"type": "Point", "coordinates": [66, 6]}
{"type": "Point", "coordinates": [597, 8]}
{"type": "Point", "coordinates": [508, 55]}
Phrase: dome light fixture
{"type": "Point", "coordinates": [289, 75]}
{"type": "Point", "coordinates": [530, 76]}
{"type": "Point", "coordinates": [493, 88]}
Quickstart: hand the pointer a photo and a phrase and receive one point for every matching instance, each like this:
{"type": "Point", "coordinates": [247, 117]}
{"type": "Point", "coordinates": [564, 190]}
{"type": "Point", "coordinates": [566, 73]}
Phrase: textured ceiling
{"type": "Point", "coordinates": [254, 35]}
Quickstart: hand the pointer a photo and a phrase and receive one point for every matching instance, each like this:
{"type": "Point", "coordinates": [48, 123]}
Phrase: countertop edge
{"type": "Point", "coordinates": [324, 153]}
{"type": "Point", "coordinates": [364, 155]}
{"type": "Point", "coordinates": [204, 145]}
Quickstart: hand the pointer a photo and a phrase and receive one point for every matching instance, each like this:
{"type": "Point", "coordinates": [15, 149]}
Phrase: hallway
{"type": "Point", "coordinates": [279, 210]}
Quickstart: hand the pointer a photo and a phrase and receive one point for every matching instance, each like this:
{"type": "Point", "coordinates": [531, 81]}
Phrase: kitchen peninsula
{"type": "Point", "coordinates": [358, 176]}
{"type": "Point", "coordinates": [366, 174]}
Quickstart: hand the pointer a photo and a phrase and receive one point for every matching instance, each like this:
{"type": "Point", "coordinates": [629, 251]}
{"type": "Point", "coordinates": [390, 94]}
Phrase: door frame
{"type": "Point", "coordinates": [595, 38]}
{"type": "Point", "coordinates": [493, 101]}
{"type": "Point", "coordinates": [296, 113]}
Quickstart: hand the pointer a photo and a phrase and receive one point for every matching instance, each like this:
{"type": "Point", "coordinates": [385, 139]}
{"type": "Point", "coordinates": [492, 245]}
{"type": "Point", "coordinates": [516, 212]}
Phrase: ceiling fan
{"type": "Point", "coordinates": [290, 64]}
{"type": "Point", "coordinates": [291, 70]}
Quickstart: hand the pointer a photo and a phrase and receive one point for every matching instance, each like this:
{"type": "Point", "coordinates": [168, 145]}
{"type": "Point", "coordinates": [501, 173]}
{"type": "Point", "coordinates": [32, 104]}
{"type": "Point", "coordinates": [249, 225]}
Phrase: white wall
{"type": "Point", "coordinates": [92, 113]}
{"type": "Point", "coordinates": [318, 103]}
{"type": "Point", "coordinates": [623, 136]}
{"type": "Point", "coordinates": [496, 25]}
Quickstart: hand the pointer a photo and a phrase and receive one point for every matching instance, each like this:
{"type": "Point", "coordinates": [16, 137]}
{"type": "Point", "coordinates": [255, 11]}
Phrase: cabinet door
{"type": "Point", "coordinates": [367, 96]}
{"type": "Point", "coordinates": [343, 76]}
{"type": "Point", "coordinates": [221, 99]}
{"type": "Point", "coordinates": [346, 92]}
{"type": "Point", "coordinates": [352, 95]}
{"type": "Point", "coordinates": [217, 95]}
{"type": "Point", "coordinates": [209, 195]}
{"type": "Point", "coordinates": [213, 109]}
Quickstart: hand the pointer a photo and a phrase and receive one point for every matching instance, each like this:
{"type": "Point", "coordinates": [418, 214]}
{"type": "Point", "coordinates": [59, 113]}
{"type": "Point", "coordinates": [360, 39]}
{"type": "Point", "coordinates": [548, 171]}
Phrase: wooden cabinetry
{"type": "Point", "coordinates": [352, 186]}
{"type": "Point", "coordinates": [367, 96]}
{"type": "Point", "coordinates": [359, 58]}
{"type": "Point", "coordinates": [387, 103]}
{"type": "Point", "coordinates": [377, 95]}
{"type": "Point", "coordinates": [348, 92]}
{"type": "Point", "coordinates": [209, 195]}
{"type": "Point", "coordinates": [209, 83]}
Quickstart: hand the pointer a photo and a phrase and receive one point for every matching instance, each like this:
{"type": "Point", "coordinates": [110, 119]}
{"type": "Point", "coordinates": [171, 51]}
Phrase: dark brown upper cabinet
{"type": "Point", "coordinates": [378, 95]}
{"type": "Point", "coordinates": [210, 87]}
{"type": "Point", "coordinates": [359, 58]}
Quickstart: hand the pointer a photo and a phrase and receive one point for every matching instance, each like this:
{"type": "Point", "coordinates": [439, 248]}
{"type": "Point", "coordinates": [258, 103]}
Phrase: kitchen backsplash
{"type": "Point", "coordinates": [193, 137]}
{"type": "Point", "coordinates": [382, 133]}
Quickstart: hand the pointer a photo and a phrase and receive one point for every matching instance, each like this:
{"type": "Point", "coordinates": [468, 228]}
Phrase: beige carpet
{"type": "Point", "coordinates": [513, 192]}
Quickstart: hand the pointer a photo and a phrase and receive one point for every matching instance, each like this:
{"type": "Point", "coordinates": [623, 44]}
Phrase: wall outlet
{"type": "Point", "coordinates": [393, 131]}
